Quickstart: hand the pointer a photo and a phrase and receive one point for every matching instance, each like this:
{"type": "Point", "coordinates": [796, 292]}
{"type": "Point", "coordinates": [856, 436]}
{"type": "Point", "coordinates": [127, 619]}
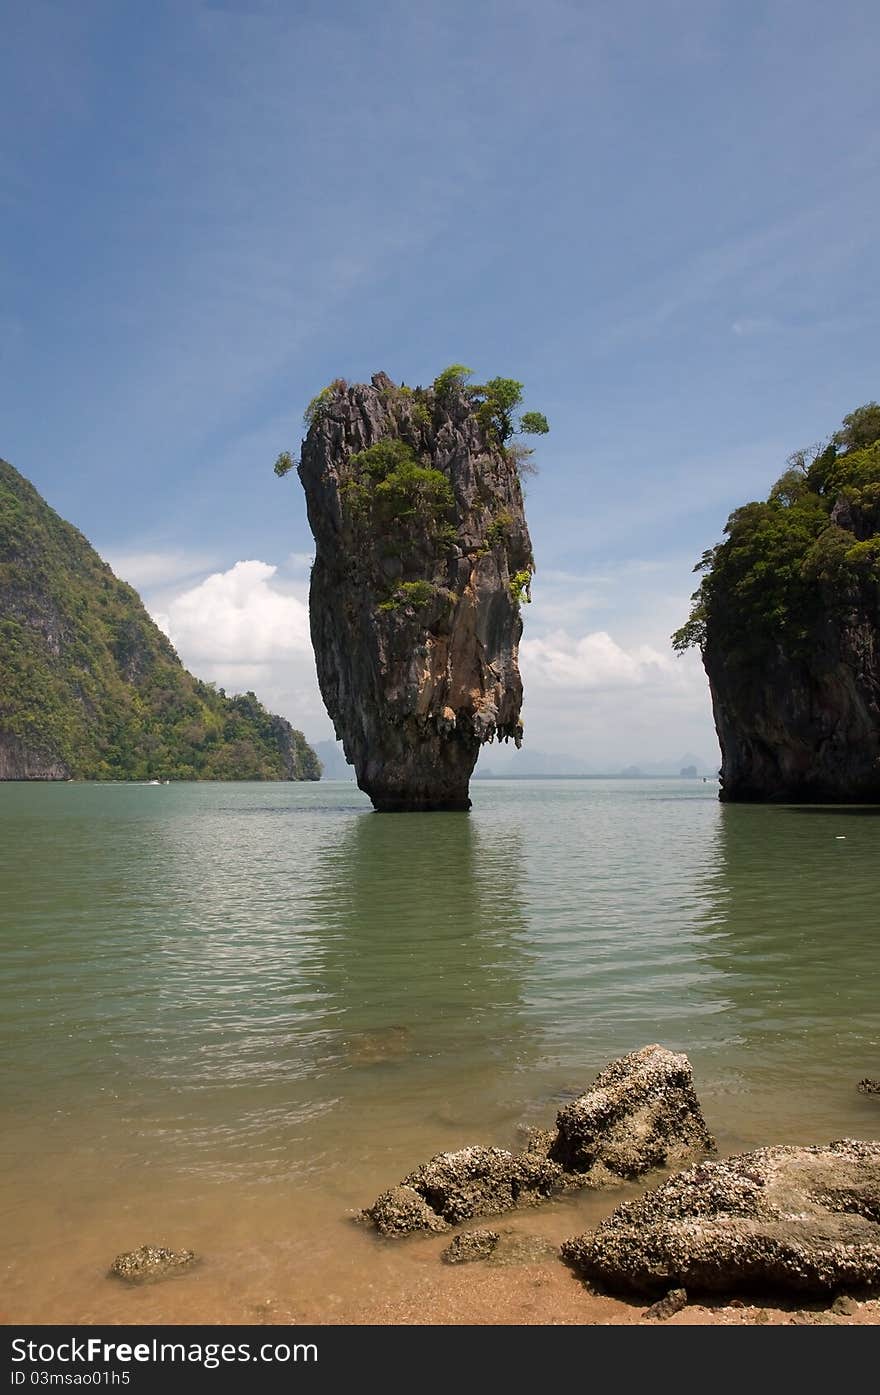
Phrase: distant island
{"type": "Point", "coordinates": [536, 765]}
{"type": "Point", "coordinates": [90, 687]}
{"type": "Point", "coordinates": [787, 618]}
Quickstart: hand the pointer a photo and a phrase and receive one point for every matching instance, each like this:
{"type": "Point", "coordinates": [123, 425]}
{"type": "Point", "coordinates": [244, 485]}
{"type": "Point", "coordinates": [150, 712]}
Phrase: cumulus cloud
{"type": "Point", "coordinates": [247, 628]}
{"type": "Point", "coordinates": [592, 661]}
{"type": "Point", "coordinates": [238, 617]}
{"type": "Point", "coordinates": [602, 686]}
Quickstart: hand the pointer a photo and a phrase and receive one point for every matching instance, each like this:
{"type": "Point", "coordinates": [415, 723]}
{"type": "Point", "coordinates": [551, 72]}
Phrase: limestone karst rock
{"type": "Point", "coordinates": [787, 617]}
{"type": "Point", "coordinates": [90, 687]}
{"type": "Point", "coordinates": [422, 559]}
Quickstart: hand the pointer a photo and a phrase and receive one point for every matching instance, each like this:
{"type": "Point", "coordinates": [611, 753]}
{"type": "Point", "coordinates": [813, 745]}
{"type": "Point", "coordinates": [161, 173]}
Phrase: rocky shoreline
{"type": "Point", "coordinates": [789, 1220]}
{"type": "Point", "coordinates": [640, 1113]}
{"type": "Point", "coordinates": [795, 1227]}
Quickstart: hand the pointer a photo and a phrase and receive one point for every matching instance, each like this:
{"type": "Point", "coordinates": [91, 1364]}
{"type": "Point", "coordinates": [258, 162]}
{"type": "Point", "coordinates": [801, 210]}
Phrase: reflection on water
{"type": "Point", "coordinates": [795, 939]}
{"type": "Point", "coordinates": [219, 975]}
{"type": "Point", "coordinates": [245, 1009]}
{"type": "Point", "coordinates": [422, 925]}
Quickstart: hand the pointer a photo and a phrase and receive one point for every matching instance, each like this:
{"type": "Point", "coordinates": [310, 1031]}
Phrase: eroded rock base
{"type": "Point", "coordinates": [784, 1219]}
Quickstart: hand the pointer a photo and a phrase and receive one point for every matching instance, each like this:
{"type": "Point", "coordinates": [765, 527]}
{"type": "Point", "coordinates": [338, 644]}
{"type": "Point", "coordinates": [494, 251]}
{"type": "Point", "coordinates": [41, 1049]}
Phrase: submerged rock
{"type": "Point", "coordinates": [789, 1219]}
{"type": "Point", "coordinates": [869, 1086]}
{"type": "Point", "coordinates": [151, 1262]}
{"type": "Point", "coordinates": [377, 1046]}
{"type": "Point", "coordinates": [641, 1112]}
{"type": "Point", "coordinates": [515, 1247]}
{"type": "Point", "coordinates": [471, 1246]}
{"type": "Point", "coordinates": [422, 558]}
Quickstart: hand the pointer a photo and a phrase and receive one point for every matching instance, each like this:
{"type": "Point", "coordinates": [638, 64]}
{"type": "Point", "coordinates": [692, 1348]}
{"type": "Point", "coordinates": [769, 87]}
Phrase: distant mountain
{"type": "Point", "coordinates": [502, 762]}
{"type": "Point", "coordinates": [333, 762]}
{"type": "Point", "coordinates": [90, 688]}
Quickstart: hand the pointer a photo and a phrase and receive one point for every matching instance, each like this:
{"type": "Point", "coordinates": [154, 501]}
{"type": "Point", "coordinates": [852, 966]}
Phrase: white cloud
{"type": "Point", "coordinates": [237, 617]}
{"type": "Point", "coordinates": [600, 679]}
{"type": "Point", "coordinates": [592, 661]}
{"type": "Point", "coordinates": [246, 628]}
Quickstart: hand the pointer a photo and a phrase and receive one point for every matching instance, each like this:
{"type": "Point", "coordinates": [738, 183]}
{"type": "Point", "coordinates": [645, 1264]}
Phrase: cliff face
{"type": "Point", "coordinates": [803, 729]}
{"type": "Point", "coordinates": [422, 559]}
{"type": "Point", "coordinates": [90, 688]}
{"type": "Point", "coordinates": [788, 620]}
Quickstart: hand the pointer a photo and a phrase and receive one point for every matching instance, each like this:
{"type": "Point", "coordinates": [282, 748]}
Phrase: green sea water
{"type": "Point", "coordinates": [242, 1010]}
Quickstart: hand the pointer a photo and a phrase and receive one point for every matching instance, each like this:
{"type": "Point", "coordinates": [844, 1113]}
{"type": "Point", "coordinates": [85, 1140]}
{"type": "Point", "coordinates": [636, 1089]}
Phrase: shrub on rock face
{"type": "Point", "coordinates": [794, 1220]}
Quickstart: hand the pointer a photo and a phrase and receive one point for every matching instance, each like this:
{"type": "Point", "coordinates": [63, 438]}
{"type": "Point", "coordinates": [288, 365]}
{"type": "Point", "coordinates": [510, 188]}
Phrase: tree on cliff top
{"type": "Point", "coordinates": [807, 549]}
{"type": "Point", "coordinates": [495, 404]}
{"type": "Point", "coordinates": [495, 401]}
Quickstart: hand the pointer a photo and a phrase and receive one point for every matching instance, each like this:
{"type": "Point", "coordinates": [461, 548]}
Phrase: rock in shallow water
{"type": "Point", "coordinates": [151, 1262]}
{"type": "Point", "coordinates": [641, 1112]}
{"type": "Point", "coordinates": [869, 1086]}
{"type": "Point", "coordinates": [458, 1186]}
{"type": "Point", "coordinates": [422, 555]}
{"type": "Point", "coordinates": [800, 1220]}
{"type": "Point", "coordinates": [472, 1245]}
{"type": "Point", "coordinates": [517, 1247]}
{"type": "Point", "coordinates": [401, 1211]}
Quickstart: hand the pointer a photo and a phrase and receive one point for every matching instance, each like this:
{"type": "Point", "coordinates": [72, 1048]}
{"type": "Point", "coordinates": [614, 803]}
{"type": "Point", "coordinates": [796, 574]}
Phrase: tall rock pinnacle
{"type": "Point", "coordinates": [422, 560]}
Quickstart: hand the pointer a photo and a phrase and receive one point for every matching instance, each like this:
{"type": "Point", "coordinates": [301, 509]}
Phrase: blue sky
{"type": "Point", "coordinates": [660, 216]}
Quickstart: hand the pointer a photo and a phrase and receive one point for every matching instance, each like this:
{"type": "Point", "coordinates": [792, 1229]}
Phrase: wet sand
{"type": "Point", "coordinates": [298, 1259]}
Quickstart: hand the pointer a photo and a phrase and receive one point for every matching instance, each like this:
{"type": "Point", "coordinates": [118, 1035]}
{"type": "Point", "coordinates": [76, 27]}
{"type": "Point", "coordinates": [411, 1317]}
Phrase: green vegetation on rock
{"type": "Point", "coordinates": [519, 586]}
{"type": "Point", "coordinates": [808, 551]}
{"type": "Point", "coordinates": [410, 593]}
{"type": "Point", "coordinates": [91, 687]}
{"type": "Point", "coordinates": [320, 402]}
{"type": "Point", "coordinates": [494, 403]}
{"type": "Point", "coordinates": [391, 489]}
{"type": "Point", "coordinates": [394, 494]}
{"type": "Point", "coordinates": [284, 464]}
